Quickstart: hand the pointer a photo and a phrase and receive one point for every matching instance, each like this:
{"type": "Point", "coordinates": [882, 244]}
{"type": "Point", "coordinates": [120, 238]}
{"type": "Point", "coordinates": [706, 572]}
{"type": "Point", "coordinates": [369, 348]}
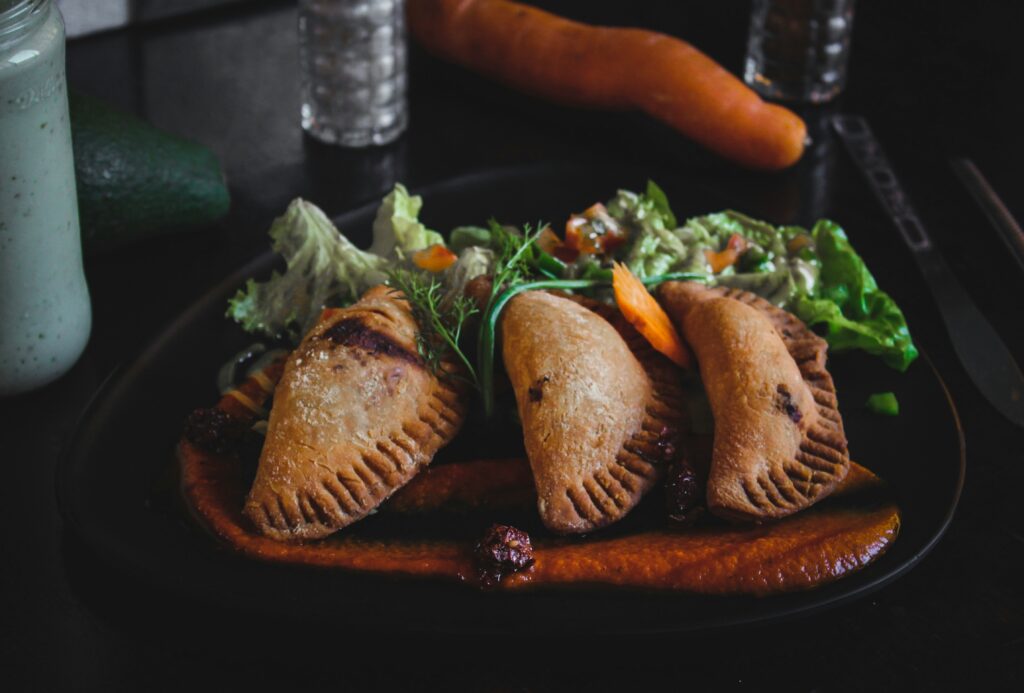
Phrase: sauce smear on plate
{"type": "Point", "coordinates": [836, 537]}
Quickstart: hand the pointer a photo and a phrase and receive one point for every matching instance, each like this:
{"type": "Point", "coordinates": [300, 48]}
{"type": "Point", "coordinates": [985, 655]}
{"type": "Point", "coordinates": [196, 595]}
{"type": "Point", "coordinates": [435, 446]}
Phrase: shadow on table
{"type": "Point", "coordinates": [166, 641]}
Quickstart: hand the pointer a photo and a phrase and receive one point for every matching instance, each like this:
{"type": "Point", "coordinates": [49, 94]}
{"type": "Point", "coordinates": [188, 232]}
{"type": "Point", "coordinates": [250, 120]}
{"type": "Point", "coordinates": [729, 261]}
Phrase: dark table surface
{"type": "Point", "coordinates": [935, 83]}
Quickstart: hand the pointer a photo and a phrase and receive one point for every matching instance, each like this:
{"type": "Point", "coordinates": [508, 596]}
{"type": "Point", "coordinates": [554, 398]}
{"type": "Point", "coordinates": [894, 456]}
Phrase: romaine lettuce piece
{"type": "Point", "coordinates": [323, 268]}
{"type": "Point", "coordinates": [847, 301]}
{"type": "Point", "coordinates": [397, 231]}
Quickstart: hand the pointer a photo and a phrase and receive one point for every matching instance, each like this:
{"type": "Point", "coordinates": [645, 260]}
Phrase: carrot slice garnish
{"type": "Point", "coordinates": [728, 255]}
{"type": "Point", "coordinates": [642, 312]}
{"type": "Point", "coordinates": [435, 258]}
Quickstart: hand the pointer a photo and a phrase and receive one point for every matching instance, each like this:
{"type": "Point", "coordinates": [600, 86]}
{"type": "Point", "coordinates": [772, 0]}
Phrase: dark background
{"type": "Point", "coordinates": [934, 81]}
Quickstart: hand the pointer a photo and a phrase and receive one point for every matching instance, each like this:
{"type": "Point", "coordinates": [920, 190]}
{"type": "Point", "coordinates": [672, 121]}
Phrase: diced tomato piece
{"type": "Point", "coordinates": [737, 243]}
{"type": "Point", "coordinates": [566, 254]}
{"type": "Point", "coordinates": [548, 241]}
{"type": "Point", "coordinates": [798, 242]}
{"type": "Point", "coordinates": [577, 236]}
{"type": "Point", "coordinates": [613, 237]}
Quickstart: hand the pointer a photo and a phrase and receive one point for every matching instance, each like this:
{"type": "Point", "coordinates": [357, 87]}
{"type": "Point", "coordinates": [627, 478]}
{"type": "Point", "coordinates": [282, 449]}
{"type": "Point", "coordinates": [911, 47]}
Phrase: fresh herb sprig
{"type": "Point", "coordinates": [489, 322]}
{"type": "Point", "coordinates": [441, 319]}
{"type": "Point", "coordinates": [515, 271]}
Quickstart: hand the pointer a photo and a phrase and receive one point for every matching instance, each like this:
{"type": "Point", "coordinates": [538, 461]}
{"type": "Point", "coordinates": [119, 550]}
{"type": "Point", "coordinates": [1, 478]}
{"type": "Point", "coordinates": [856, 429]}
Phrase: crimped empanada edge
{"type": "Point", "coordinates": [822, 460]}
{"type": "Point", "coordinates": [613, 490]}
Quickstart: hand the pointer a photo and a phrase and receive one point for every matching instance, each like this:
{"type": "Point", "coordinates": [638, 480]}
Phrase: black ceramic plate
{"type": "Point", "coordinates": [111, 480]}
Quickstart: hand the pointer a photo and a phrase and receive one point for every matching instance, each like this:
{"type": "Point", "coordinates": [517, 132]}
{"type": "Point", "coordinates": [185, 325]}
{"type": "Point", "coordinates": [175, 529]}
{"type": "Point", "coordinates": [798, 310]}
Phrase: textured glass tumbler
{"type": "Point", "coordinates": [798, 49]}
{"type": "Point", "coordinates": [352, 55]}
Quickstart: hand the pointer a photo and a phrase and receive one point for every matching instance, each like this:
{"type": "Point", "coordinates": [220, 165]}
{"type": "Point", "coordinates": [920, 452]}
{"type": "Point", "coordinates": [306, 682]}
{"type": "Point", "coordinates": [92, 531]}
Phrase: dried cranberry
{"type": "Point", "coordinates": [786, 404]}
{"type": "Point", "coordinates": [213, 430]}
{"type": "Point", "coordinates": [536, 390]}
{"type": "Point", "coordinates": [502, 550]}
{"type": "Point", "coordinates": [682, 492]}
{"type": "Point", "coordinates": [666, 442]}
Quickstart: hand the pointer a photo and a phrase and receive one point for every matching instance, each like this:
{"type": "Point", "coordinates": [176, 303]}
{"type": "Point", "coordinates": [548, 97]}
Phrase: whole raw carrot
{"type": "Point", "coordinates": [611, 68]}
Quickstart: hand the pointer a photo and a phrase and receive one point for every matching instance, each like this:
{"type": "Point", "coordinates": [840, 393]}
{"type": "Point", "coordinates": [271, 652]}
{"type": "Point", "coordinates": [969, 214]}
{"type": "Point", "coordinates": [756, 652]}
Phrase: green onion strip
{"type": "Point", "coordinates": [489, 322]}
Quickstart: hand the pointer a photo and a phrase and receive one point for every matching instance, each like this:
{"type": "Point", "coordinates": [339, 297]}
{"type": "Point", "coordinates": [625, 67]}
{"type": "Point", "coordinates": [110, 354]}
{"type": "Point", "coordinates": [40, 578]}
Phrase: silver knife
{"type": "Point", "coordinates": [983, 354]}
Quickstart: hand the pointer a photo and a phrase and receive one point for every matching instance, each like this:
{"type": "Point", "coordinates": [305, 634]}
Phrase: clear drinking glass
{"type": "Point", "coordinates": [352, 55]}
{"type": "Point", "coordinates": [798, 49]}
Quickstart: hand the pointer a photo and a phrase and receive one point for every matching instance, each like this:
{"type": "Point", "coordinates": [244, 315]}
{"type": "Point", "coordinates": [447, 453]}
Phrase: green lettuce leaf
{"type": "Point", "coordinates": [822, 279]}
{"type": "Point", "coordinates": [397, 231]}
{"type": "Point", "coordinates": [323, 268]}
{"type": "Point", "coordinates": [847, 301]}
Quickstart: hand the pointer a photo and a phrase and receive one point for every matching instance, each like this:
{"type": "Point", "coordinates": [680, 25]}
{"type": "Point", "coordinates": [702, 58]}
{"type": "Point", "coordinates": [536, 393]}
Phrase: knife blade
{"type": "Point", "coordinates": [982, 352]}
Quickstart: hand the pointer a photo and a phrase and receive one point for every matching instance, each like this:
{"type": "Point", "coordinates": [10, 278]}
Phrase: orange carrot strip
{"type": "Point", "coordinates": [721, 259]}
{"type": "Point", "coordinates": [728, 256]}
{"type": "Point", "coordinates": [436, 258]}
{"type": "Point", "coordinates": [611, 68]}
{"type": "Point", "coordinates": [643, 312]}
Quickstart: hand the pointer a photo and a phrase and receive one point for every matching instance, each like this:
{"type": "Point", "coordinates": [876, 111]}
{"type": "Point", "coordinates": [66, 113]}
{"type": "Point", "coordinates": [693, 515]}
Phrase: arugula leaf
{"type": "Point", "coordinates": [323, 268]}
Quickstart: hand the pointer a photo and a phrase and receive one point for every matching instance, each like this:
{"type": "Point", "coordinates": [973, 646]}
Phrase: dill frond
{"type": "Point", "coordinates": [440, 320]}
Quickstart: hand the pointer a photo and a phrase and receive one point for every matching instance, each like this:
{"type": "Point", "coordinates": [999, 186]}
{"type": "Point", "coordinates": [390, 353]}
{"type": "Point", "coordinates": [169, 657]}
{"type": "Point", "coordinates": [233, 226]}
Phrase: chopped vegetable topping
{"type": "Point", "coordinates": [644, 313]}
{"type": "Point", "coordinates": [815, 274]}
{"type": "Point", "coordinates": [594, 232]}
{"type": "Point", "coordinates": [884, 403]}
{"type": "Point", "coordinates": [728, 256]}
{"type": "Point", "coordinates": [435, 259]}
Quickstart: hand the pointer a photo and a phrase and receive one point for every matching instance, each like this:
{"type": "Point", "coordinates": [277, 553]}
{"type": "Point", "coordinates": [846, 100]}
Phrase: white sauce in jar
{"type": "Point", "coordinates": [45, 316]}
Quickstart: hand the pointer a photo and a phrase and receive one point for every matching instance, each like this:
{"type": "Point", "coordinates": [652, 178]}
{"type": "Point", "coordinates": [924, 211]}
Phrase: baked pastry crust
{"type": "Point", "coordinates": [600, 419]}
{"type": "Point", "coordinates": [355, 416]}
{"type": "Point", "coordinates": [779, 442]}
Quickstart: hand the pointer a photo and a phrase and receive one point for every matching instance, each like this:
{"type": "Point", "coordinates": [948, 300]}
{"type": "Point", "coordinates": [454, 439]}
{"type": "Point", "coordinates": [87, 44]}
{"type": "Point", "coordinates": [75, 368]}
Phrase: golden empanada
{"type": "Point", "coordinates": [600, 419]}
{"type": "Point", "coordinates": [356, 415]}
{"type": "Point", "coordinates": [779, 444]}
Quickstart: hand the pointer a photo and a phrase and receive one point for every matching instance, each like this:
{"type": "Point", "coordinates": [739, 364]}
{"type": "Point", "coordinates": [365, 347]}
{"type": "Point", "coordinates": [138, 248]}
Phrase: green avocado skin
{"type": "Point", "coordinates": [135, 181]}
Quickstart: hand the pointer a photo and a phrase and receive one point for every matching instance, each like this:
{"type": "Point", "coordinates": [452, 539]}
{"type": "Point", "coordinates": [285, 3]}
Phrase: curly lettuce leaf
{"type": "Point", "coordinates": [323, 268]}
{"type": "Point", "coordinates": [397, 231]}
{"type": "Point", "coordinates": [849, 304]}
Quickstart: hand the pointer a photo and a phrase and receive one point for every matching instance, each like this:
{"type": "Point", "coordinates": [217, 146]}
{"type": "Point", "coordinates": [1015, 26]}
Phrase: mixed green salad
{"type": "Point", "coordinates": [815, 273]}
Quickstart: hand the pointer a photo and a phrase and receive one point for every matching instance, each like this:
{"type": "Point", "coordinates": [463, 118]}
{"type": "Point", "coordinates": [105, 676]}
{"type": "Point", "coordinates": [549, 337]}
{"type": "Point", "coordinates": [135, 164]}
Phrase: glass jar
{"type": "Point", "coordinates": [798, 50]}
{"type": "Point", "coordinates": [45, 317]}
{"type": "Point", "coordinates": [352, 56]}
